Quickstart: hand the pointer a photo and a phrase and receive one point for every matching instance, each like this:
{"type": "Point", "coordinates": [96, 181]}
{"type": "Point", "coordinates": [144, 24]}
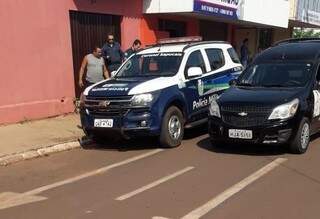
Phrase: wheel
{"type": "Point", "coordinates": [172, 128]}
{"type": "Point", "coordinates": [300, 143]}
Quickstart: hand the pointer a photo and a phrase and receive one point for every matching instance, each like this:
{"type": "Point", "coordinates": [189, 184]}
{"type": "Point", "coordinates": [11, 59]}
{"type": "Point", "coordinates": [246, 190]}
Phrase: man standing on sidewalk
{"type": "Point", "coordinates": [244, 53]}
{"type": "Point", "coordinates": [134, 49]}
{"type": "Point", "coordinates": [96, 69]}
{"type": "Point", "coordinates": [112, 54]}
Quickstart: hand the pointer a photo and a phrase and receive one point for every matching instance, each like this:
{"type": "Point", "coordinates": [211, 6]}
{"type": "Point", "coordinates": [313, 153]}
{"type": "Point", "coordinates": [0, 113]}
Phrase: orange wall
{"type": "Point", "coordinates": [36, 56]}
{"type": "Point", "coordinates": [36, 52]}
{"type": "Point", "coordinates": [149, 27]}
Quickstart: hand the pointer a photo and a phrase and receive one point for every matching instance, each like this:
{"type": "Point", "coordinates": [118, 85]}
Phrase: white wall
{"type": "Point", "coordinates": [167, 6]}
{"type": "Point", "coordinates": [268, 12]}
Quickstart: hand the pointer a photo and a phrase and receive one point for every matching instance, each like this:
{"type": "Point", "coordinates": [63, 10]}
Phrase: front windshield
{"type": "Point", "coordinates": [276, 75]}
{"type": "Point", "coordinates": [149, 65]}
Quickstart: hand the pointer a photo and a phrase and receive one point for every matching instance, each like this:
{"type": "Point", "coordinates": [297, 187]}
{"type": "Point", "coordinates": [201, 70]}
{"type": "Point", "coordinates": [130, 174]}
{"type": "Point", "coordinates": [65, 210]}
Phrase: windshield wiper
{"type": "Point", "coordinates": [272, 85]}
{"type": "Point", "coordinates": [244, 84]}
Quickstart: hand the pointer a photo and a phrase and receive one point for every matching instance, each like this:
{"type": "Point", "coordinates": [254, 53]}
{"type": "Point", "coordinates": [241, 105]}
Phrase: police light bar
{"type": "Point", "coordinates": [180, 40]}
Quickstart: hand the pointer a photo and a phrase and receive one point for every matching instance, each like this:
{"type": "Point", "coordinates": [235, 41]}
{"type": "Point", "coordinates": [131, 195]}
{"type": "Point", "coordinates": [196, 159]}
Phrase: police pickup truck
{"type": "Point", "coordinates": [160, 90]}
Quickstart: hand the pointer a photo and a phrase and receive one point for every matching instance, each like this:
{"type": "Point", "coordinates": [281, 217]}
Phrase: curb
{"type": "Point", "coordinates": [41, 152]}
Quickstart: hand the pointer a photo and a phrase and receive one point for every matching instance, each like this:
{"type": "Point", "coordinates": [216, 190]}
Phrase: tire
{"type": "Point", "coordinates": [172, 137]}
{"type": "Point", "coordinates": [300, 142]}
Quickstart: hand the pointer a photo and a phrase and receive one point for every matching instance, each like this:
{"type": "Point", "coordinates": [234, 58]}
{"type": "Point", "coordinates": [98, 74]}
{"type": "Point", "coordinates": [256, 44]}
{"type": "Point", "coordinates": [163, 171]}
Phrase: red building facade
{"type": "Point", "coordinates": [43, 41]}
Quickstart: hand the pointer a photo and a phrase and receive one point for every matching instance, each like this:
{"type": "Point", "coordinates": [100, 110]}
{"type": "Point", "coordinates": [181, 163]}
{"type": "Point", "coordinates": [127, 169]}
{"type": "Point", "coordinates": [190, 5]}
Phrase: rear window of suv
{"type": "Point", "coordinates": [233, 55]}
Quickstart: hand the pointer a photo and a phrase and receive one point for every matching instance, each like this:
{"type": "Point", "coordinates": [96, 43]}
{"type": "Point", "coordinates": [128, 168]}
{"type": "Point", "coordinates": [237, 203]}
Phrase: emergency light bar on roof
{"type": "Point", "coordinates": [180, 40]}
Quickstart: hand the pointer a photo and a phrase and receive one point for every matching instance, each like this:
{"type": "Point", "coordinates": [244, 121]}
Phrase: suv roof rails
{"type": "Point", "coordinates": [175, 41]}
{"type": "Point", "coordinates": [203, 43]}
{"type": "Point", "coordinates": [295, 40]}
{"type": "Point", "coordinates": [190, 41]}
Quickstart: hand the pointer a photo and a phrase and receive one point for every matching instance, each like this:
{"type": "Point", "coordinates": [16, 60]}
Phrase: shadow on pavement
{"type": "Point", "coordinates": [315, 137]}
{"type": "Point", "coordinates": [243, 149]}
{"type": "Point", "coordinates": [118, 144]}
{"type": "Point", "coordinates": [195, 132]}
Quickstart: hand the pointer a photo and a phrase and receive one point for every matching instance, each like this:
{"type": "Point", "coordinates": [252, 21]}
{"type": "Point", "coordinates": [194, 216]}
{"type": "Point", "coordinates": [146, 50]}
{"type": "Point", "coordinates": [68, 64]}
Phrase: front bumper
{"type": "Point", "coordinates": [134, 123]}
{"type": "Point", "coordinates": [278, 132]}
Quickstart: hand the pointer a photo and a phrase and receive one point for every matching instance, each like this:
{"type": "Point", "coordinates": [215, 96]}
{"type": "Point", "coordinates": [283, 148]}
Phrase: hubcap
{"type": "Point", "coordinates": [174, 127]}
{"type": "Point", "coordinates": [305, 136]}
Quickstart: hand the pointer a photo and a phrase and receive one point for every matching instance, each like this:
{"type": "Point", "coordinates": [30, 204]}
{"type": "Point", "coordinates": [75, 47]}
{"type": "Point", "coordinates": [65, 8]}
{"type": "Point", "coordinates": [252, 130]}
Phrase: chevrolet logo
{"type": "Point", "coordinates": [104, 103]}
{"type": "Point", "coordinates": [243, 114]}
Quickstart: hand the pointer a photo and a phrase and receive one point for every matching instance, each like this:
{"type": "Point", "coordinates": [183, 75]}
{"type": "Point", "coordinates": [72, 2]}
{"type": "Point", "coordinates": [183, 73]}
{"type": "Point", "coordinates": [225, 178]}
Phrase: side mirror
{"type": "Point", "coordinates": [194, 72]}
{"type": "Point", "coordinates": [233, 82]}
{"type": "Point", "coordinates": [113, 73]}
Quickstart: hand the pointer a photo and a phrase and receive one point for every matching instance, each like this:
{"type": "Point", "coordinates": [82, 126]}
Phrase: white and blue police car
{"type": "Point", "coordinates": [160, 91]}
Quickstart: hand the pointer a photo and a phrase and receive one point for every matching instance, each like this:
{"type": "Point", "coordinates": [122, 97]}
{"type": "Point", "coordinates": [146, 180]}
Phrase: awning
{"type": "Point", "coordinates": [272, 13]}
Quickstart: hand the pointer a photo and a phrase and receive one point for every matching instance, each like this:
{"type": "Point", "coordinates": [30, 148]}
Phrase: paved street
{"type": "Point", "coordinates": [138, 180]}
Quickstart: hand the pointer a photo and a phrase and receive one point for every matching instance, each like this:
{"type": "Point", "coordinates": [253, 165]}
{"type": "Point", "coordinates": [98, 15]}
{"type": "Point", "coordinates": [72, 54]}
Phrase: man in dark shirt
{"type": "Point", "coordinates": [244, 53]}
{"type": "Point", "coordinates": [112, 54]}
{"type": "Point", "coordinates": [134, 49]}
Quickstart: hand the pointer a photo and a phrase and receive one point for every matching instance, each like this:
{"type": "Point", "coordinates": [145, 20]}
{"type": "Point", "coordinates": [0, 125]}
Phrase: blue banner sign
{"type": "Point", "coordinates": [223, 8]}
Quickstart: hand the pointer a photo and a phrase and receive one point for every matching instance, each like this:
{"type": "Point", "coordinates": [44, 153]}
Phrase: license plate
{"type": "Point", "coordinates": [240, 134]}
{"type": "Point", "coordinates": [103, 123]}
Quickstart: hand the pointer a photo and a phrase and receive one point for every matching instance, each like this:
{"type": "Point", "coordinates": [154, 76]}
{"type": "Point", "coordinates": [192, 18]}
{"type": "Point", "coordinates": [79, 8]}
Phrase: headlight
{"type": "Point", "coordinates": [214, 109]}
{"type": "Point", "coordinates": [285, 111]}
{"type": "Point", "coordinates": [142, 99]}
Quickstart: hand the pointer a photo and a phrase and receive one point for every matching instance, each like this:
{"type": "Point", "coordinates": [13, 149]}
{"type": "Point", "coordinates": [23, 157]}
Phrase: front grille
{"type": "Point", "coordinates": [256, 115]}
{"type": "Point", "coordinates": [108, 106]}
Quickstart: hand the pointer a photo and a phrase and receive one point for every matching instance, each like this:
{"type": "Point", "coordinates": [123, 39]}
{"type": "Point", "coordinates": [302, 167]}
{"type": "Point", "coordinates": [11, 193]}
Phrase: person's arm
{"type": "Point", "coordinates": [121, 53]}
{"type": "Point", "coordinates": [105, 72]}
{"type": "Point", "coordinates": [105, 52]}
{"type": "Point", "coordinates": [82, 69]}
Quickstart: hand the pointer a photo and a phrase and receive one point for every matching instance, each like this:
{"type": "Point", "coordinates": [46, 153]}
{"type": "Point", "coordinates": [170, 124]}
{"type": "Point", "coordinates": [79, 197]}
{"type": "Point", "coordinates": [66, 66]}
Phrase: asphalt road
{"type": "Point", "coordinates": [137, 180]}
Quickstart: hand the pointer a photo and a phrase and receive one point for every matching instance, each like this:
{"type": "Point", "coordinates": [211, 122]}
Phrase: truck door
{"type": "Point", "coordinates": [217, 79]}
{"type": "Point", "coordinates": [194, 86]}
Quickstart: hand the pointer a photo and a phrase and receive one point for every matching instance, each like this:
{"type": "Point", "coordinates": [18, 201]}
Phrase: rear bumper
{"type": "Point", "coordinates": [271, 133]}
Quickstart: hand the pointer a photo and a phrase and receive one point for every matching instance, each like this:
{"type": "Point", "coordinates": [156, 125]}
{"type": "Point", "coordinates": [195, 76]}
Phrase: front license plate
{"type": "Point", "coordinates": [240, 134]}
{"type": "Point", "coordinates": [103, 123]}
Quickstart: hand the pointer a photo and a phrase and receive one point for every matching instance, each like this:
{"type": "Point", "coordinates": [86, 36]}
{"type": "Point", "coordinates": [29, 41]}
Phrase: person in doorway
{"type": "Point", "coordinates": [134, 49]}
{"type": "Point", "coordinates": [258, 52]}
{"type": "Point", "coordinates": [244, 53]}
{"type": "Point", "coordinates": [112, 54]}
{"type": "Point", "coordinates": [95, 67]}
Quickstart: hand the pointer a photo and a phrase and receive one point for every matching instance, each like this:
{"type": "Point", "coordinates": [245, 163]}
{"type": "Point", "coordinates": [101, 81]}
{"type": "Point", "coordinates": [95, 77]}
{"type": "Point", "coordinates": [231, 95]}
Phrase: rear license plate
{"type": "Point", "coordinates": [103, 123]}
{"type": "Point", "coordinates": [240, 134]}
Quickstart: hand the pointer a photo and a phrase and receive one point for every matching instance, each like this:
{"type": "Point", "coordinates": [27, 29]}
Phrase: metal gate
{"type": "Point", "coordinates": [89, 30]}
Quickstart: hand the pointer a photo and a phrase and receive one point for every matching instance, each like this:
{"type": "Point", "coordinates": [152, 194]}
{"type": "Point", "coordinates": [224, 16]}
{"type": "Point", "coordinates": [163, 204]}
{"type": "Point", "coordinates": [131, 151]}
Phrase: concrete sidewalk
{"type": "Point", "coordinates": [28, 136]}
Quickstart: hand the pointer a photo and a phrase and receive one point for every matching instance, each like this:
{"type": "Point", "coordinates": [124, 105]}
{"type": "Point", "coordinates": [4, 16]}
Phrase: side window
{"type": "Point", "coordinates": [216, 58]}
{"type": "Point", "coordinates": [233, 55]}
{"type": "Point", "coordinates": [195, 60]}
